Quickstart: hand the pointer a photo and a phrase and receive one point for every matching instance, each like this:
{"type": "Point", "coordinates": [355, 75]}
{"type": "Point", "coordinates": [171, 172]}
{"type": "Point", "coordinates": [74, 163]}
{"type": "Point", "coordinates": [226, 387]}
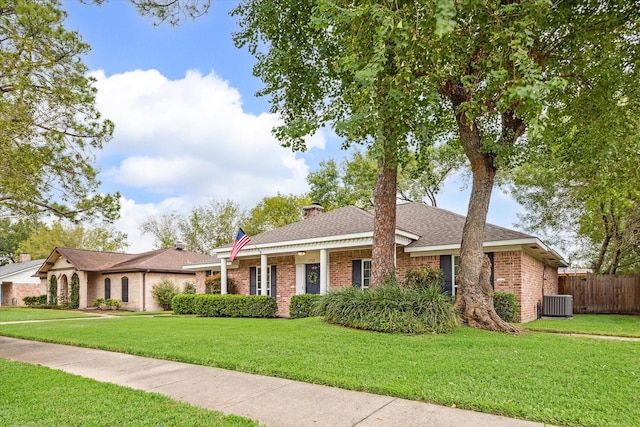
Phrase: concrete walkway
{"type": "Point", "coordinates": [272, 401]}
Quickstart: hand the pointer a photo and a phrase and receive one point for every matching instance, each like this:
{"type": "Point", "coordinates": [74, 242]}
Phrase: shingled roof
{"type": "Point", "coordinates": [439, 227]}
{"type": "Point", "coordinates": [166, 260]}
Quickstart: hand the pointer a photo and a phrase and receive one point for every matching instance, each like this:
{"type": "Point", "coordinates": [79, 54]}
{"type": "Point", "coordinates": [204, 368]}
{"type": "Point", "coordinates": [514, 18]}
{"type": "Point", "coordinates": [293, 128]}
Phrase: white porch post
{"type": "Point", "coordinates": [324, 271]}
{"type": "Point", "coordinates": [263, 275]}
{"type": "Point", "coordinates": [223, 276]}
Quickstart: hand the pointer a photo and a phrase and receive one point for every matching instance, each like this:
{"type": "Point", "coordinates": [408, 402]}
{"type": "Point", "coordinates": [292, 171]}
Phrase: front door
{"type": "Point", "coordinates": [312, 279]}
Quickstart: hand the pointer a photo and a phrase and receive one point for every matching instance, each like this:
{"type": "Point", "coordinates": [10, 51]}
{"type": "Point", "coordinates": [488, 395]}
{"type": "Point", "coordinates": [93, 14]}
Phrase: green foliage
{"type": "Point", "coordinates": [213, 284]}
{"type": "Point", "coordinates": [506, 306]}
{"type": "Point", "coordinates": [274, 212]}
{"type": "Point", "coordinates": [235, 306]}
{"type": "Point", "coordinates": [304, 305]}
{"type": "Point", "coordinates": [112, 303]}
{"type": "Point", "coordinates": [189, 288]}
{"type": "Point", "coordinates": [49, 124]}
{"type": "Point", "coordinates": [204, 228]}
{"type": "Point", "coordinates": [35, 301]}
{"type": "Point", "coordinates": [64, 234]}
{"type": "Point", "coordinates": [389, 308]}
{"type": "Point", "coordinates": [184, 303]}
{"type": "Point", "coordinates": [13, 233]}
{"type": "Point", "coordinates": [423, 278]}
{"type": "Point", "coordinates": [74, 299]}
{"type": "Point", "coordinates": [98, 302]}
{"type": "Point", "coordinates": [53, 290]}
{"type": "Point", "coordinates": [163, 292]}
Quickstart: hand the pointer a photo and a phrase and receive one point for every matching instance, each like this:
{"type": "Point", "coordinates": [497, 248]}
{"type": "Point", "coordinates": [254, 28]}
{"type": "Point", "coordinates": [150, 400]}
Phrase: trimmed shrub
{"type": "Point", "coordinates": [74, 300]}
{"type": "Point", "coordinates": [163, 292]}
{"type": "Point", "coordinates": [422, 278]}
{"type": "Point", "coordinates": [305, 305]}
{"type": "Point", "coordinates": [98, 302]}
{"type": "Point", "coordinates": [506, 306]}
{"type": "Point", "coordinates": [389, 308]}
{"type": "Point", "coordinates": [213, 285]}
{"type": "Point", "coordinates": [235, 306]}
{"type": "Point", "coordinates": [184, 304]}
{"type": "Point", "coordinates": [113, 303]}
{"type": "Point", "coordinates": [35, 301]}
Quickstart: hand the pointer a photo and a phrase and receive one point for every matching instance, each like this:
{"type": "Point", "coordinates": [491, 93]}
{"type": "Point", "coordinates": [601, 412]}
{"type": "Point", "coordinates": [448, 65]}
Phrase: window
{"type": "Point", "coordinates": [366, 273]}
{"type": "Point", "coordinates": [361, 273]}
{"type": "Point", "coordinates": [107, 288]}
{"type": "Point", "coordinates": [259, 279]}
{"type": "Point", "coordinates": [125, 289]}
{"type": "Point", "coordinates": [455, 265]}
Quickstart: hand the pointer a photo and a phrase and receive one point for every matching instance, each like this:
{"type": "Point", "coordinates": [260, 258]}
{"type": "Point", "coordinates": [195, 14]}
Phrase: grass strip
{"type": "Point", "coordinates": [542, 377]}
{"type": "Point", "coordinates": [15, 314]}
{"type": "Point", "coordinates": [620, 325]}
{"type": "Point", "coordinates": [38, 396]}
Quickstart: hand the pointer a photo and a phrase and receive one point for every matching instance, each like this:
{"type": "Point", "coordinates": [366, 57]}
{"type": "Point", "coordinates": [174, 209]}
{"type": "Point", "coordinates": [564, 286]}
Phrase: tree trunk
{"type": "Point", "coordinates": [384, 225]}
{"type": "Point", "coordinates": [474, 301]}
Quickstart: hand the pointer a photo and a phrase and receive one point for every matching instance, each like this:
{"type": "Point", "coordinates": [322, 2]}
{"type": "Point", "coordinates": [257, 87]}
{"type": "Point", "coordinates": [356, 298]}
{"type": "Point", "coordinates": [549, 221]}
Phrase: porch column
{"type": "Point", "coordinates": [223, 276]}
{"type": "Point", "coordinates": [324, 271]}
{"type": "Point", "coordinates": [263, 275]}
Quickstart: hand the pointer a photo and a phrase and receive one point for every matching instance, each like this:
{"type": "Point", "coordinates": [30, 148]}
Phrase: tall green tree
{"type": "Point", "coordinates": [65, 234]}
{"type": "Point", "coordinates": [210, 225]}
{"type": "Point", "coordinates": [13, 234]}
{"type": "Point", "coordinates": [49, 126]}
{"type": "Point", "coordinates": [275, 211]}
{"type": "Point", "coordinates": [165, 229]}
{"type": "Point", "coordinates": [381, 71]}
{"type": "Point", "coordinates": [202, 229]}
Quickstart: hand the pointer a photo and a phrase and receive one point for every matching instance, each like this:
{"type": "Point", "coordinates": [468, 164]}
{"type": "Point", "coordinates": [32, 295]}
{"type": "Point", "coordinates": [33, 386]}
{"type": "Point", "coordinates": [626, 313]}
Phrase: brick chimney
{"type": "Point", "coordinates": [24, 257]}
{"type": "Point", "coordinates": [312, 210]}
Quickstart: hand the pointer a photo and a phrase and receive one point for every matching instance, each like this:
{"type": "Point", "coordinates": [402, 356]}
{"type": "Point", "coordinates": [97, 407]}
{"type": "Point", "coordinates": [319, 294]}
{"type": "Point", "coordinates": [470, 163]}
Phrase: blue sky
{"type": "Point", "coordinates": [188, 125]}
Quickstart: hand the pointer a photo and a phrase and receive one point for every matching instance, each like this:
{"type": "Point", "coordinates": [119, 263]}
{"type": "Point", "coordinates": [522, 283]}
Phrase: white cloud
{"type": "Point", "coordinates": [190, 138]}
{"type": "Point", "coordinates": [182, 142]}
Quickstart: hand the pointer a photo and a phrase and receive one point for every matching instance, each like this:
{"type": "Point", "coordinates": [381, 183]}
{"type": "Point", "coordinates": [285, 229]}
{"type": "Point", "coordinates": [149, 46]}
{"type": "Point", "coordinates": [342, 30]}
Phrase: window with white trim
{"type": "Point", "coordinates": [366, 273]}
{"type": "Point", "coordinates": [259, 280]}
{"type": "Point", "coordinates": [455, 265]}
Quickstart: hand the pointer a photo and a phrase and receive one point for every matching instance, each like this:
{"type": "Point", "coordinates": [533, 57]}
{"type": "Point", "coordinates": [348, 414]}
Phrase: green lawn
{"type": "Point", "coordinates": [37, 396]}
{"type": "Point", "coordinates": [13, 314]}
{"type": "Point", "coordinates": [538, 376]}
{"type": "Point", "coordinates": [597, 324]}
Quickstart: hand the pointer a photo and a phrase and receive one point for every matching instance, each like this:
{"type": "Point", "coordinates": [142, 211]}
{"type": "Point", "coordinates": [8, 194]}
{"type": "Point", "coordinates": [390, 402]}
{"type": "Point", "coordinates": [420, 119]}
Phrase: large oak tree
{"type": "Point", "coordinates": [49, 126]}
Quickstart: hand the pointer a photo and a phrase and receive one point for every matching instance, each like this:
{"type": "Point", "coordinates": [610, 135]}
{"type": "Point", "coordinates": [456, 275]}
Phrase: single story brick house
{"type": "Point", "coordinates": [333, 249]}
{"type": "Point", "coordinates": [18, 280]}
{"type": "Point", "coordinates": [127, 277]}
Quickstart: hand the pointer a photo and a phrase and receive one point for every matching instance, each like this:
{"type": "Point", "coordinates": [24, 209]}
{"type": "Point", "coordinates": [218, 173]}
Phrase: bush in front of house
{"type": "Point", "coordinates": [305, 305]}
{"type": "Point", "coordinates": [211, 305]}
{"type": "Point", "coordinates": [189, 288]}
{"type": "Point", "coordinates": [213, 285]}
{"type": "Point", "coordinates": [184, 303]}
{"type": "Point", "coordinates": [422, 278]}
{"type": "Point", "coordinates": [163, 292]}
{"type": "Point", "coordinates": [38, 301]}
{"type": "Point", "coordinates": [392, 309]}
{"type": "Point", "coordinates": [506, 306]}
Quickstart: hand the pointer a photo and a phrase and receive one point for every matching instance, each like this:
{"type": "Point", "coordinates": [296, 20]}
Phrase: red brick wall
{"type": "Point", "coordinates": [515, 272]}
{"type": "Point", "coordinates": [340, 267]}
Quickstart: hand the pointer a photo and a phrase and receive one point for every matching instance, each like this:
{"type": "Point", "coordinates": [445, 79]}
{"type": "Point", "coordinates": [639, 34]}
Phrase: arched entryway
{"type": "Point", "coordinates": [63, 290]}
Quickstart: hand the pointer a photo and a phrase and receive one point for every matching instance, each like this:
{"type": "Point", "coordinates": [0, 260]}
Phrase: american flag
{"type": "Point", "coordinates": [241, 240]}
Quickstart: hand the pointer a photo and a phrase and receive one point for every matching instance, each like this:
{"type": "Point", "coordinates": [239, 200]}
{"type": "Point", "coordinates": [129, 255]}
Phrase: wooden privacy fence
{"type": "Point", "coordinates": [602, 293]}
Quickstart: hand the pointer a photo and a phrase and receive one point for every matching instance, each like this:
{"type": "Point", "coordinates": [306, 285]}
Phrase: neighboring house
{"type": "Point", "coordinates": [333, 250]}
{"type": "Point", "coordinates": [127, 277]}
{"type": "Point", "coordinates": [18, 280]}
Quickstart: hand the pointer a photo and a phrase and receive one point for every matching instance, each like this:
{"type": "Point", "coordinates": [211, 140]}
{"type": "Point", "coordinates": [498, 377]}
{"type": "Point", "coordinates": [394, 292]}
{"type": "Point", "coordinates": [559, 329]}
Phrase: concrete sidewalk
{"type": "Point", "coordinates": [272, 401]}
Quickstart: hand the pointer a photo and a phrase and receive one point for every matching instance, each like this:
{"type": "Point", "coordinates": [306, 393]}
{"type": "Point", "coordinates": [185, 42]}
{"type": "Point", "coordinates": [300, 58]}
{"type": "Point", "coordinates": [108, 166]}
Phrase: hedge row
{"type": "Point", "coordinates": [212, 305]}
{"type": "Point", "coordinates": [35, 301]}
{"type": "Point", "coordinates": [305, 305]}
